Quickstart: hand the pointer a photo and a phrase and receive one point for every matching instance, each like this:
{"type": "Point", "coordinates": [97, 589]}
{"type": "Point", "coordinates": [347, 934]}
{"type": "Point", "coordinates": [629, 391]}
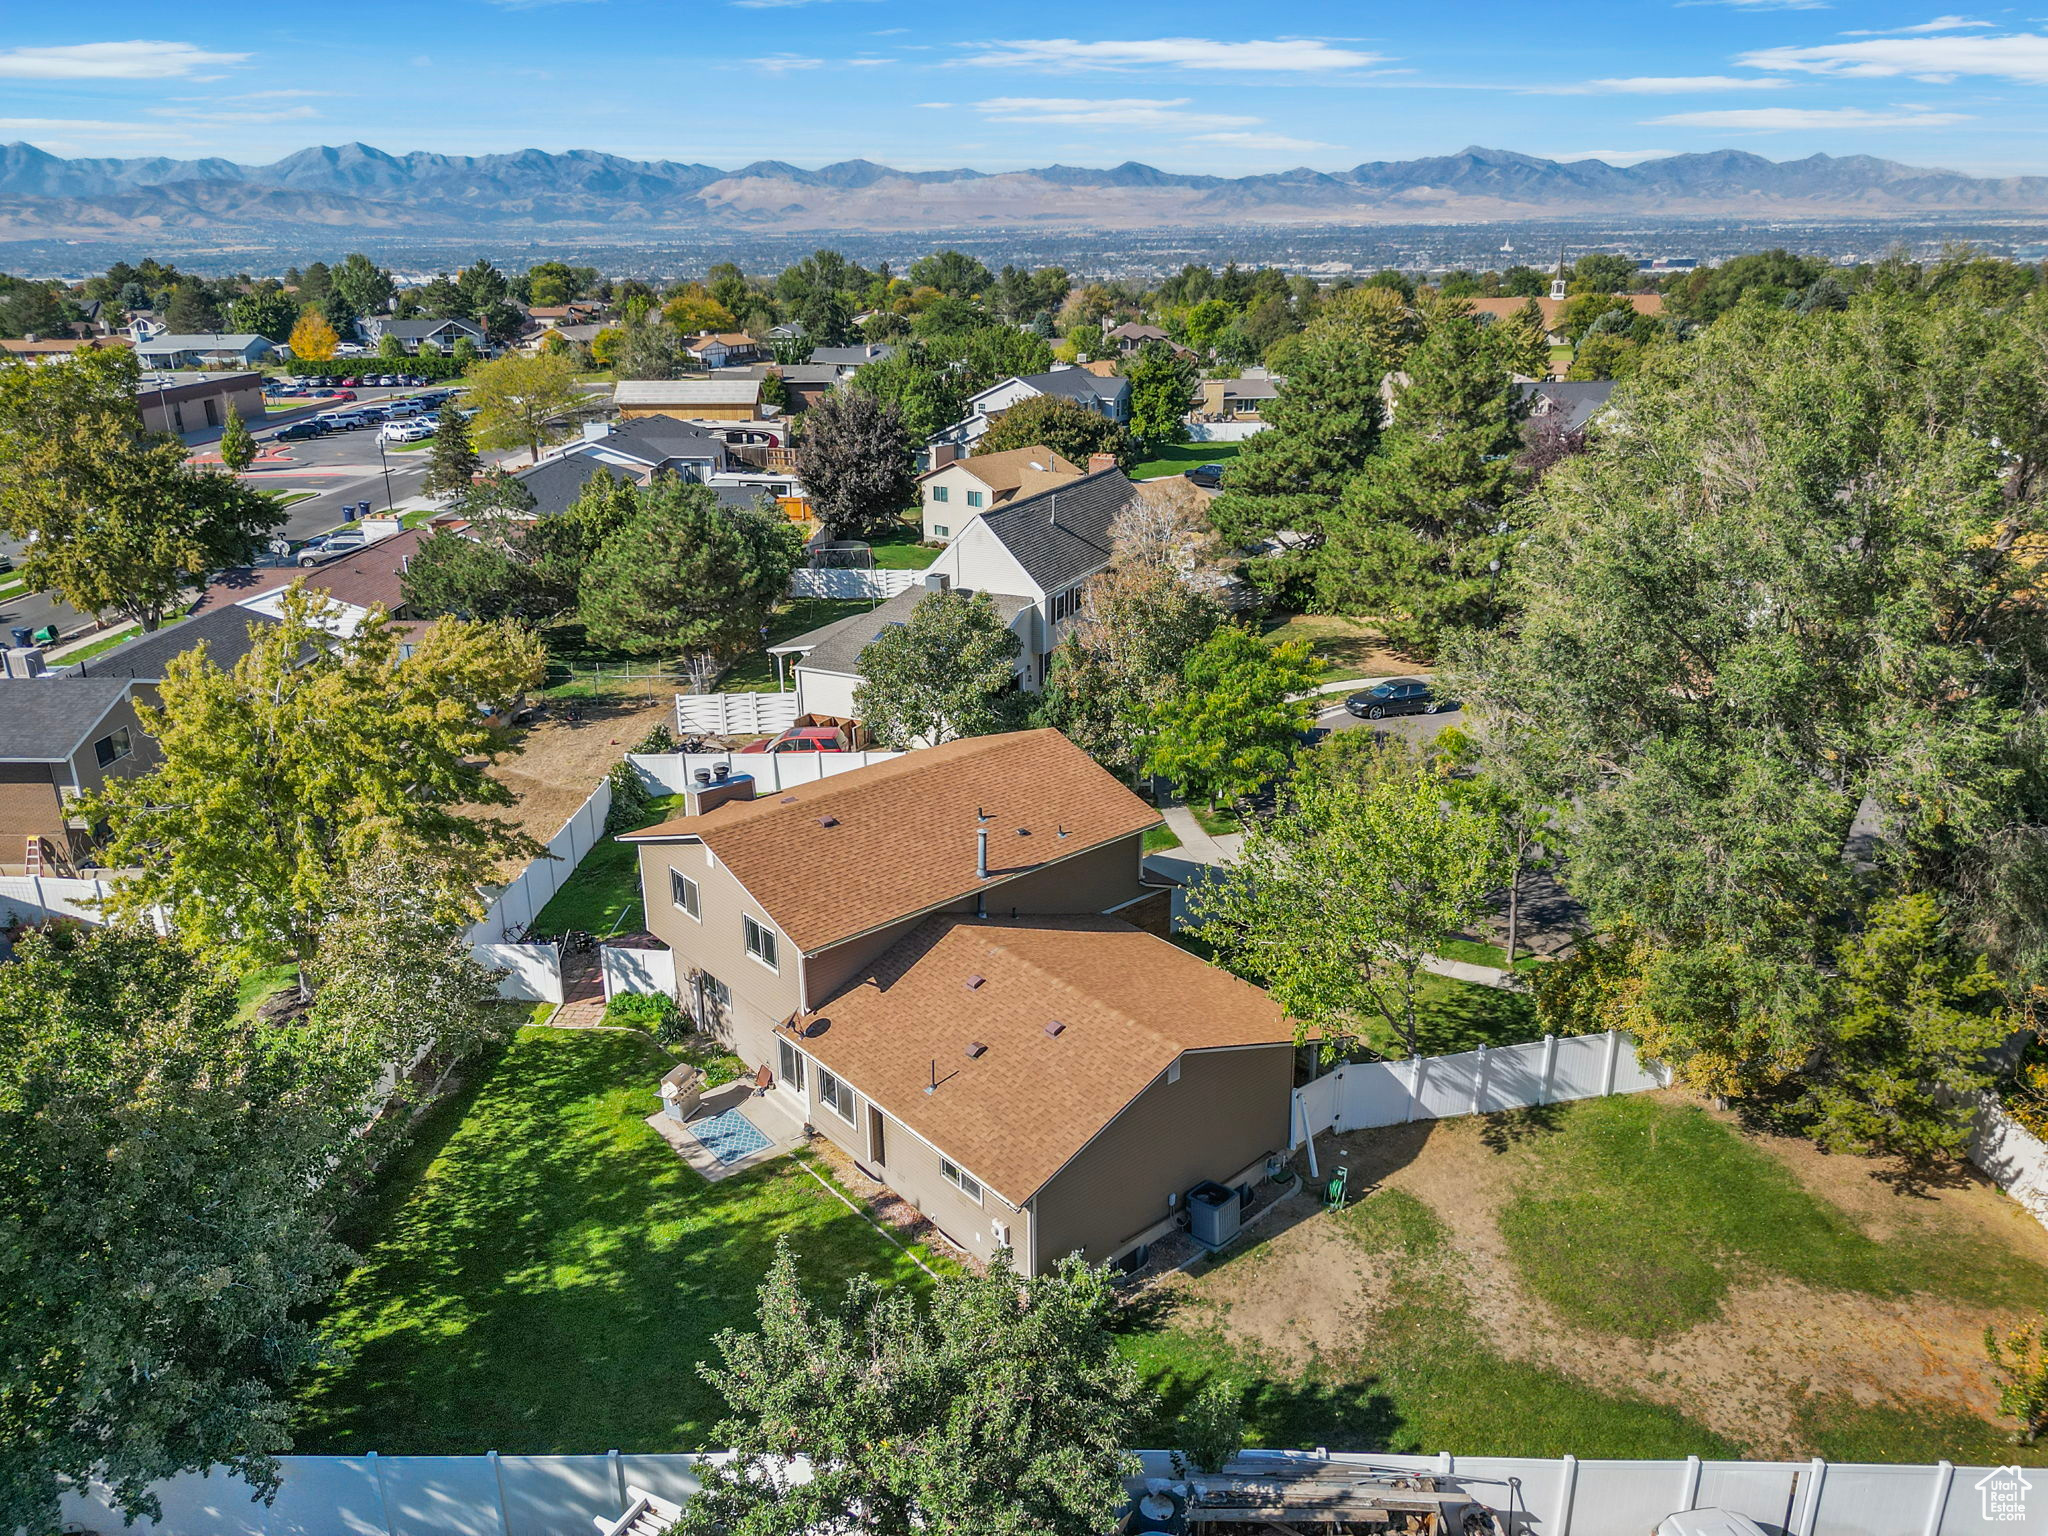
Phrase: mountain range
{"type": "Point", "coordinates": [355, 186]}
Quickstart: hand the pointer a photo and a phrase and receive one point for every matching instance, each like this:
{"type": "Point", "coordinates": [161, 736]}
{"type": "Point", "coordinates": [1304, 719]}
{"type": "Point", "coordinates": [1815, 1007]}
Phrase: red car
{"type": "Point", "coordinates": [802, 738]}
{"type": "Point", "coordinates": [342, 394]}
{"type": "Point", "coordinates": [350, 383]}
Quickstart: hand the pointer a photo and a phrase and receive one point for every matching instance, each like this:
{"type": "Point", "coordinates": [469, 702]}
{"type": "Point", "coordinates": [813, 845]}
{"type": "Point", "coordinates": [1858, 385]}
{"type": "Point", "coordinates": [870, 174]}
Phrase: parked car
{"type": "Point", "coordinates": [1397, 696]}
{"type": "Point", "coordinates": [343, 394]}
{"type": "Point", "coordinates": [803, 738]}
{"type": "Point", "coordinates": [349, 383]}
{"type": "Point", "coordinates": [406, 432]}
{"type": "Point", "coordinates": [1208, 476]}
{"type": "Point", "coordinates": [343, 421]}
{"type": "Point", "coordinates": [332, 546]}
{"type": "Point", "coordinates": [301, 429]}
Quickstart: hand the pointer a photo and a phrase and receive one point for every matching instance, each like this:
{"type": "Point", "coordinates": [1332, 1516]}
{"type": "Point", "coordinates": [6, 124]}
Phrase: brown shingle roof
{"type": "Point", "coordinates": [370, 576]}
{"type": "Point", "coordinates": [1005, 472]}
{"type": "Point", "coordinates": [1016, 1113]}
{"type": "Point", "coordinates": [902, 840]}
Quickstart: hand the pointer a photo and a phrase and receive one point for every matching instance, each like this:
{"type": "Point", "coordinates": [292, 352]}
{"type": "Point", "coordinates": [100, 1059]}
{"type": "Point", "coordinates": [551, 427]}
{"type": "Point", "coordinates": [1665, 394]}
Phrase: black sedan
{"type": "Point", "coordinates": [1397, 696]}
{"type": "Point", "coordinates": [1208, 476]}
{"type": "Point", "coordinates": [301, 429]}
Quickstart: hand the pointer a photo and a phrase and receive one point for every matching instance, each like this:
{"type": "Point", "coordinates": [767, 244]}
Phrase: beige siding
{"type": "Point", "coordinates": [761, 998]}
{"type": "Point", "coordinates": [29, 807]}
{"type": "Point", "coordinates": [1228, 1109]}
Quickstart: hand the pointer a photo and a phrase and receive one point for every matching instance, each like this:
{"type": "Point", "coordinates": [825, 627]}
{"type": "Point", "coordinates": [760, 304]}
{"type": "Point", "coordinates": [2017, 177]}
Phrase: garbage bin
{"type": "Point", "coordinates": [22, 636]}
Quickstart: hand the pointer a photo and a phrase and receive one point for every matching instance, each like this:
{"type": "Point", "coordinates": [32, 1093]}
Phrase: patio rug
{"type": "Point", "coordinates": [729, 1136]}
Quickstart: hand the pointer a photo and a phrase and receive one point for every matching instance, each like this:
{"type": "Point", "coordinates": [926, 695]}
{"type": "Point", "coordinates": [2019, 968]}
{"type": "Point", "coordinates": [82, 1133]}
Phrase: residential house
{"type": "Point", "coordinates": [415, 335]}
{"type": "Point", "coordinates": [53, 349]}
{"type": "Point", "coordinates": [955, 489]}
{"type": "Point", "coordinates": [1132, 335]}
{"type": "Point", "coordinates": [196, 403]}
{"type": "Point", "coordinates": [639, 449]}
{"type": "Point", "coordinates": [805, 384]}
{"type": "Point", "coordinates": [204, 350]}
{"type": "Point", "coordinates": [354, 585]}
{"type": "Point", "coordinates": [550, 317]}
{"type": "Point", "coordinates": [224, 629]}
{"type": "Point", "coordinates": [143, 325]}
{"type": "Point", "coordinates": [723, 349]}
{"type": "Point", "coordinates": [1569, 405]}
{"type": "Point", "coordinates": [950, 965]}
{"type": "Point", "coordinates": [1107, 396]}
{"type": "Point", "coordinates": [1233, 400]}
{"type": "Point", "coordinates": [847, 359]}
{"type": "Point", "coordinates": [690, 399]}
{"type": "Point", "coordinates": [825, 662]}
{"type": "Point", "coordinates": [60, 737]}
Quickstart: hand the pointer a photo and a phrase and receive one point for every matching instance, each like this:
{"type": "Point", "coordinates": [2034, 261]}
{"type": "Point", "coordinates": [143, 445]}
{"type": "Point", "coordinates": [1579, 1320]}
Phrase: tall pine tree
{"type": "Point", "coordinates": [454, 463]}
{"type": "Point", "coordinates": [1421, 536]}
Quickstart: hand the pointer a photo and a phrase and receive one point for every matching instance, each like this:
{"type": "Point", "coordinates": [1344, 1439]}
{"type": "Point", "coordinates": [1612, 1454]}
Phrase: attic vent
{"type": "Point", "coordinates": [976, 1050]}
{"type": "Point", "coordinates": [787, 800]}
{"type": "Point", "coordinates": [1023, 831]}
{"type": "Point", "coordinates": [1055, 1029]}
{"type": "Point", "coordinates": [828, 821]}
{"type": "Point", "coordinates": [976, 983]}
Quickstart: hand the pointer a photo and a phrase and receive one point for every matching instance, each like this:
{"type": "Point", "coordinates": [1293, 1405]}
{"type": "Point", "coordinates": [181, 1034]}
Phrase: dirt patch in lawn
{"type": "Point", "coordinates": [1747, 1374]}
{"type": "Point", "coordinates": [560, 761]}
{"type": "Point", "coordinates": [1305, 1292]}
{"type": "Point", "coordinates": [1352, 647]}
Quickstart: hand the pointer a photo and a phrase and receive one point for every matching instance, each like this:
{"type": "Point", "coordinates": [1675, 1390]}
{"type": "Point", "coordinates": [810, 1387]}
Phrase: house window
{"type": "Point", "coordinates": [682, 891]}
{"type": "Point", "coordinates": [760, 942]}
{"type": "Point", "coordinates": [109, 750]}
{"type": "Point", "coordinates": [940, 531]}
{"type": "Point", "coordinates": [974, 498]}
{"type": "Point", "coordinates": [791, 1062]}
{"type": "Point", "coordinates": [940, 493]}
{"type": "Point", "coordinates": [835, 1095]}
{"type": "Point", "coordinates": [963, 1182]}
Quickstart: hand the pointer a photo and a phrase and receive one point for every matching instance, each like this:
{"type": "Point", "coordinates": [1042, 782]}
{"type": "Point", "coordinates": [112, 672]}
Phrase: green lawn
{"type": "Point", "coordinates": [108, 641]}
{"type": "Point", "coordinates": [602, 895]}
{"type": "Point", "coordinates": [1178, 458]}
{"type": "Point", "coordinates": [286, 498]}
{"type": "Point", "coordinates": [1644, 1189]}
{"type": "Point", "coordinates": [901, 549]}
{"type": "Point", "coordinates": [1453, 1015]}
{"type": "Point", "coordinates": [1161, 840]}
{"type": "Point", "coordinates": [1351, 647]}
{"type": "Point", "coordinates": [1422, 1378]}
{"type": "Point", "coordinates": [541, 1273]}
{"type": "Point", "coordinates": [1478, 952]}
{"type": "Point", "coordinates": [259, 986]}
{"type": "Point", "coordinates": [1217, 823]}
{"type": "Point", "coordinates": [755, 673]}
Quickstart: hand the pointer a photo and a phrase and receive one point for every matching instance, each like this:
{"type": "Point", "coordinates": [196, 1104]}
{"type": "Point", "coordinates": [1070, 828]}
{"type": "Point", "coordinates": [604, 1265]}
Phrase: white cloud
{"type": "Point", "coordinates": [85, 127]}
{"type": "Point", "coordinates": [1119, 112]}
{"type": "Point", "coordinates": [275, 115]}
{"type": "Point", "coordinates": [1293, 55]}
{"type": "Point", "coordinates": [1241, 140]}
{"type": "Point", "coordinates": [2022, 56]}
{"type": "Point", "coordinates": [936, 106]}
{"type": "Point", "coordinates": [1939, 24]}
{"type": "Point", "coordinates": [138, 60]}
{"type": "Point", "coordinates": [1662, 85]}
{"type": "Point", "coordinates": [867, 63]}
{"type": "Point", "coordinates": [1770, 119]}
{"type": "Point", "coordinates": [783, 63]}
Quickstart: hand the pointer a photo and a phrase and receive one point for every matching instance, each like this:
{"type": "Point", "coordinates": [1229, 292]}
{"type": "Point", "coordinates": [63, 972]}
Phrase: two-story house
{"type": "Point", "coordinates": [954, 489]}
{"type": "Point", "coordinates": [1031, 555]}
{"type": "Point", "coordinates": [1107, 395]}
{"type": "Point", "coordinates": [61, 737]}
{"type": "Point", "coordinates": [413, 335]}
{"type": "Point", "coordinates": [950, 966]}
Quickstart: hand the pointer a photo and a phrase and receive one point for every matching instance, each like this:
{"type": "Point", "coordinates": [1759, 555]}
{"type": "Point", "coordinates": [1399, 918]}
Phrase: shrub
{"type": "Point", "coordinates": [629, 798]}
{"type": "Point", "coordinates": [660, 739]}
{"type": "Point", "coordinates": [650, 1011]}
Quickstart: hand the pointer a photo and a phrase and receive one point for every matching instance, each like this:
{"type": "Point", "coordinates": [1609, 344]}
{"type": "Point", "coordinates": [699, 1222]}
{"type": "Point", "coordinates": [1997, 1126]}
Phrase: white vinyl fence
{"type": "Point", "coordinates": [2016, 1161]}
{"type": "Point", "coordinates": [734, 714]}
{"type": "Point", "coordinates": [1223, 431]}
{"type": "Point", "coordinates": [1360, 1094]}
{"type": "Point", "coordinates": [493, 1495]}
{"type": "Point", "coordinates": [645, 971]}
{"type": "Point", "coordinates": [38, 898]}
{"type": "Point", "coordinates": [670, 773]}
{"type": "Point", "coordinates": [840, 581]}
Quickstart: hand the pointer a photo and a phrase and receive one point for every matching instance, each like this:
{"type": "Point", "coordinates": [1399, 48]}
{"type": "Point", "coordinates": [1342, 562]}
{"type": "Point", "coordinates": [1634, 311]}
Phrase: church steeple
{"type": "Point", "coordinates": [1557, 280]}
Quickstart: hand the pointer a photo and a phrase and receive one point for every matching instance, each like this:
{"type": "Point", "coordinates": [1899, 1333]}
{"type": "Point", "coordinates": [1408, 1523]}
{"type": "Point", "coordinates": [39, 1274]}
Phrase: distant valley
{"type": "Point", "coordinates": [357, 188]}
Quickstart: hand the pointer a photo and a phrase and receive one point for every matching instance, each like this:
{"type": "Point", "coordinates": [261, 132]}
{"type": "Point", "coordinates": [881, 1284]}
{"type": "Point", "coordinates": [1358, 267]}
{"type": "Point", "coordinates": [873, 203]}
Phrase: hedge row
{"type": "Point", "coordinates": [355, 367]}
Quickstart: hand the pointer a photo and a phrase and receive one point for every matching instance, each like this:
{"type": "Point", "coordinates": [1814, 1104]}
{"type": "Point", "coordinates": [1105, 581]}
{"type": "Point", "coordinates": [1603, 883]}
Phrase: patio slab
{"type": "Point", "coordinates": [725, 1115]}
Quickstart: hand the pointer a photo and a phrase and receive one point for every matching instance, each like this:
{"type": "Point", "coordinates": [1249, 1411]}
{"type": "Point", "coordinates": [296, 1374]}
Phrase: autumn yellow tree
{"type": "Point", "coordinates": [693, 310]}
{"type": "Point", "coordinates": [313, 339]}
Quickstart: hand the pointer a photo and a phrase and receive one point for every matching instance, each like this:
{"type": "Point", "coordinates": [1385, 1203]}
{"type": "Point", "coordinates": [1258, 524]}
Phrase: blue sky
{"type": "Point", "coordinates": [920, 84]}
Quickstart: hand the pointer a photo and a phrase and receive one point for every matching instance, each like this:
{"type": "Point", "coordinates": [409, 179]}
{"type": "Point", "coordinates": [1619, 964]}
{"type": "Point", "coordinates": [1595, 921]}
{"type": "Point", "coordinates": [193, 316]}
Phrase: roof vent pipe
{"type": "Point", "coordinates": [981, 853]}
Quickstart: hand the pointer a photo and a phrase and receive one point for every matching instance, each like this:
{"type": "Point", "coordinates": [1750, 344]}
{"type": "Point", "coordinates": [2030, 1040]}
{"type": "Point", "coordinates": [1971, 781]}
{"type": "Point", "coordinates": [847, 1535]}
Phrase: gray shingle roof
{"type": "Point", "coordinates": [1061, 536]}
{"type": "Point", "coordinates": [1076, 384]}
{"type": "Point", "coordinates": [224, 630]}
{"type": "Point", "coordinates": [657, 439]}
{"type": "Point", "coordinates": [839, 644]}
{"type": "Point", "coordinates": [1571, 403]}
{"type": "Point", "coordinates": [46, 719]}
{"type": "Point", "coordinates": [557, 483]}
{"type": "Point", "coordinates": [841, 357]}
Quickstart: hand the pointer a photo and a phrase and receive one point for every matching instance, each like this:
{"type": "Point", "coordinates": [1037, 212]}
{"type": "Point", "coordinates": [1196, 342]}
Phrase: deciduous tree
{"type": "Point", "coordinates": [164, 1176]}
{"type": "Point", "coordinates": [948, 671]}
{"type": "Point", "coordinates": [855, 459]}
{"type": "Point", "coordinates": [312, 338]}
{"type": "Point", "coordinates": [1336, 900]}
{"type": "Point", "coordinates": [1003, 1407]}
{"type": "Point", "coordinates": [117, 521]}
{"type": "Point", "coordinates": [281, 775]}
{"type": "Point", "coordinates": [520, 401]}
{"type": "Point", "coordinates": [1231, 729]}
{"type": "Point", "coordinates": [1162, 393]}
{"type": "Point", "coordinates": [1065, 426]}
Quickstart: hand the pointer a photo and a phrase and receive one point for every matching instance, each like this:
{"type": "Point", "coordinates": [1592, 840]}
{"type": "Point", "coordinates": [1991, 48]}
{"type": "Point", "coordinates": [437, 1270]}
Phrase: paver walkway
{"type": "Point", "coordinates": [582, 992]}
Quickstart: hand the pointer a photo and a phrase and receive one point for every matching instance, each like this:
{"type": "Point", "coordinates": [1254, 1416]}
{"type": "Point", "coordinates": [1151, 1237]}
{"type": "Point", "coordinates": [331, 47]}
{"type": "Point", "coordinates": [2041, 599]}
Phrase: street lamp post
{"type": "Point", "coordinates": [386, 462]}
